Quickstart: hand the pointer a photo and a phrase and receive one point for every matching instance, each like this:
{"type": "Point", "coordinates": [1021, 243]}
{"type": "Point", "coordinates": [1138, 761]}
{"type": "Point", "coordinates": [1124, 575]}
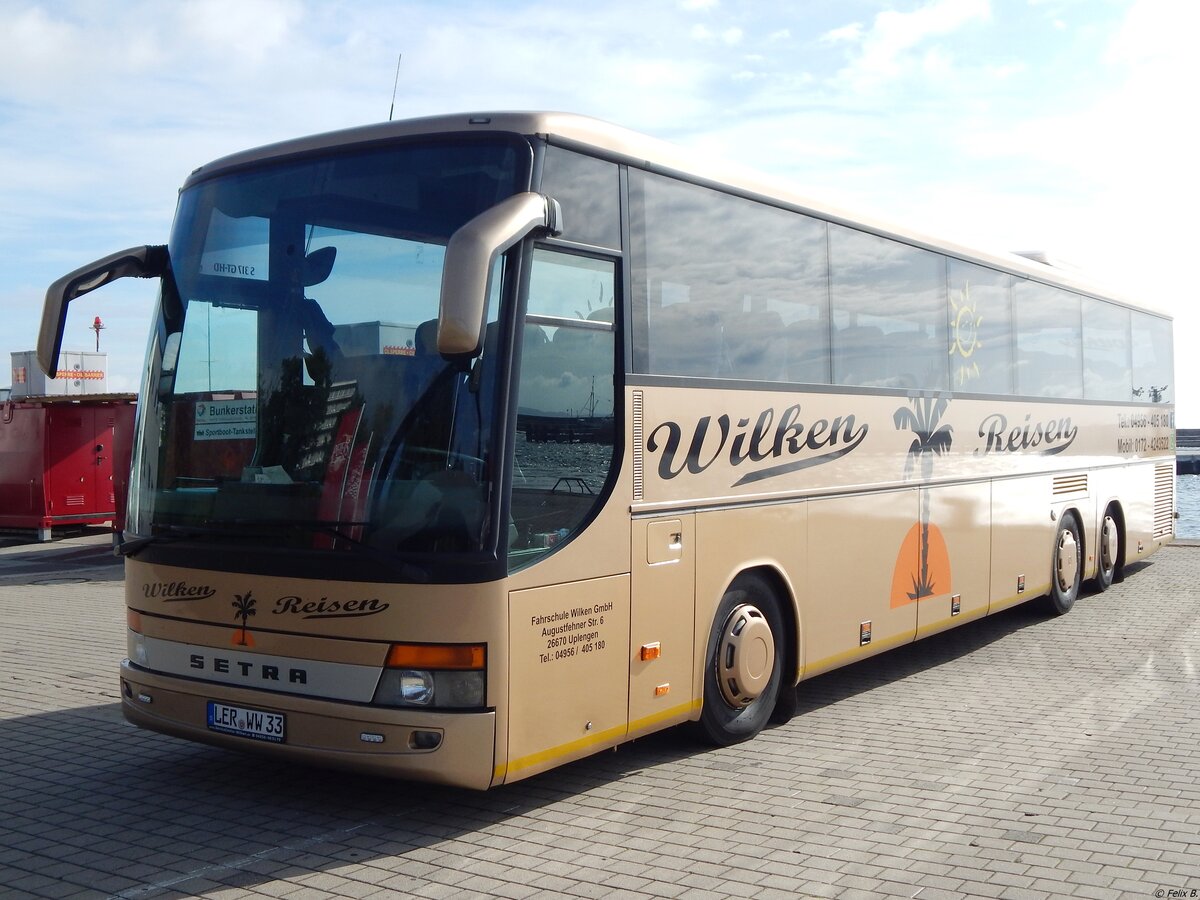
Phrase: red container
{"type": "Point", "coordinates": [56, 460]}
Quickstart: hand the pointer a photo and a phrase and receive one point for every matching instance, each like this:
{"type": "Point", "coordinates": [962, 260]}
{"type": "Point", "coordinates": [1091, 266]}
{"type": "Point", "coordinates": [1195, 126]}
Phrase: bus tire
{"type": "Point", "coordinates": [1066, 566]}
{"type": "Point", "coordinates": [786, 704]}
{"type": "Point", "coordinates": [1108, 548]}
{"type": "Point", "coordinates": [743, 667]}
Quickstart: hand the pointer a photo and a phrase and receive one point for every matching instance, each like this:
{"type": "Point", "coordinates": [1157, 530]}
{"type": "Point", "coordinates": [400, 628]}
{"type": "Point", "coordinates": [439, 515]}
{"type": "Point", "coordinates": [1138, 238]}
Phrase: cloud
{"type": "Point", "coordinates": [1004, 132]}
{"type": "Point", "coordinates": [851, 33]}
{"type": "Point", "coordinates": [247, 32]}
{"type": "Point", "coordinates": [1156, 33]}
{"type": "Point", "coordinates": [729, 36]}
{"type": "Point", "coordinates": [1007, 70]}
{"type": "Point", "coordinates": [45, 53]}
{"type": "Point", "coordinates": [889, 49]}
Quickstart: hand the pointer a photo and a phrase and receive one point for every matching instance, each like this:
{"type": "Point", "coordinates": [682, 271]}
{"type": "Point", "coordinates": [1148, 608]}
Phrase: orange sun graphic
{"type": "Point", "coordinates": [919, 575]}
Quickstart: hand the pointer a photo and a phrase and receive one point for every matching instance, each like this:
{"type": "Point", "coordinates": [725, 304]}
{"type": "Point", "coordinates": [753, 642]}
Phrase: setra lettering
{"type": "Point", "coordinates": [249, 670]}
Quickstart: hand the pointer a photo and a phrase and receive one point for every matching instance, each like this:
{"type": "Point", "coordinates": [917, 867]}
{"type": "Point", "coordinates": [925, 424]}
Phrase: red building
{"type": "Point", "coordinates": [56, 460]}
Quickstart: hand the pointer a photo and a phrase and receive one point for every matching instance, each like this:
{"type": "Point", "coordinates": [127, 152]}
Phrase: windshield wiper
{"type": "Point", "coordinates": [333, 527]}
{"type": "Point", "coordinates": [166, 534]}
{"type": "Point", "coordinates": [172, 533]}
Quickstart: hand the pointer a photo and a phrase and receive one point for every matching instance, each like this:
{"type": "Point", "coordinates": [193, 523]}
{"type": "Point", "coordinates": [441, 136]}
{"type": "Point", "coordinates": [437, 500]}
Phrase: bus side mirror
{"type": "Point", "coordinates": [138, 262]}
{"type": "Point", "coordinates": [470, 257]}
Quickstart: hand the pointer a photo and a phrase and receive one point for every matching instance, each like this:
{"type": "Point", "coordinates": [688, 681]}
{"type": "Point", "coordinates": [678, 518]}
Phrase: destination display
{"type": "Point", "coordinates": [225, 420]}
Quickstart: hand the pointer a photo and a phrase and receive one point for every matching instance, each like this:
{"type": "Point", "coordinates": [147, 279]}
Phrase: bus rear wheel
{"type": "Point", "coordinates": [744, 663]}
{"type": "Point", "coordinates": [1109, 541]}
{"type": "Point", "coordinates": [1066, 566]}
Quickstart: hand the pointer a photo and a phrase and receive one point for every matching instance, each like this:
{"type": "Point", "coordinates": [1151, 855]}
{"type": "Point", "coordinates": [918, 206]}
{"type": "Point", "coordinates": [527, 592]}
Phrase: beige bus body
{"type": "Point", "coordinates": [876, 518]}
{"type": "Point", "coordinates": [839, 538]}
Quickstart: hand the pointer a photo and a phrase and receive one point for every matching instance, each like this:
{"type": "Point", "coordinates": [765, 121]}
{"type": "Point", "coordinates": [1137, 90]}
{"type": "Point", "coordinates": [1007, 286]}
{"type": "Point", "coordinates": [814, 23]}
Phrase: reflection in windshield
{"type": "Point", "coordinates": [565, 402]}
{"type": "Point", "coordinates": [308, 404]}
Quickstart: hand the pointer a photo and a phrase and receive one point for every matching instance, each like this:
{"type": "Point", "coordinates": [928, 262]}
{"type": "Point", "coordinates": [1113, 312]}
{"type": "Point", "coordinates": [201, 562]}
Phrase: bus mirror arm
{"type": "Point", "coordinates": [136, 262]}
{"type": "Point", "coordinates": [470, 257]}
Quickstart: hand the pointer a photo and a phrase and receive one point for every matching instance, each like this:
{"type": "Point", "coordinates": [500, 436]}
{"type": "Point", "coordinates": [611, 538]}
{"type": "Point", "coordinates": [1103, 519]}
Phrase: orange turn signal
{"type": "Point", "coordinates": [436, 656]}
{"type": "Point", "coordinates": [651, 651]}
{"type": "Point", "coordinates": [133, 619]}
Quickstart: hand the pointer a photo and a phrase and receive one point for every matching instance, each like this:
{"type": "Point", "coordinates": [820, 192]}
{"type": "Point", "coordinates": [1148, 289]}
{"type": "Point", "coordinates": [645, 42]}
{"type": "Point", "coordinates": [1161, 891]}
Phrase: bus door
{"type": "Point", "coordinates": [569, 669]}
{"type": "Point", "coordinates": [663, 612]}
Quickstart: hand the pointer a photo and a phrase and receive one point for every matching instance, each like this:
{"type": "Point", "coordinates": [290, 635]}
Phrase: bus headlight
{"type": "Point", "coordinates": [137, 653]}
{"type": "Point", "coordinates": [461, 689]}
{"type": "Point", "coordinates": [412, 687]}
{"type": "Point", "coordinates": [434, 676]}
{"type": "Point", "coordinates": [136, 641]}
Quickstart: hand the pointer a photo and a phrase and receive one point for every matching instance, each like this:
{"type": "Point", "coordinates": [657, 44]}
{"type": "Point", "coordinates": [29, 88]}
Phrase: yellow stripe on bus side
{"type": "Point", "coordinates": [849, 655]}
{"type": "Point", "coordinates": [561, 750]}
{"type": "Point", "coordinates": [1030, 593]}
{"type": "Point", "coordinates": [940, 625]}
{"type": "Point", "coordinates": [839, 659]}
{"type": "Point", "coordinates": [646, 721]}
{"type": "Point", "coordinates": [600, 737]}
{"type": "Point", "coordinates": [833, 661]}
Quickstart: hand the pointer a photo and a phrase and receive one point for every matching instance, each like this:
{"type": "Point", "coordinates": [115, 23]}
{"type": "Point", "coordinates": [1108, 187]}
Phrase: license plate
{"type": "Point", "coordinates": [249, 723]}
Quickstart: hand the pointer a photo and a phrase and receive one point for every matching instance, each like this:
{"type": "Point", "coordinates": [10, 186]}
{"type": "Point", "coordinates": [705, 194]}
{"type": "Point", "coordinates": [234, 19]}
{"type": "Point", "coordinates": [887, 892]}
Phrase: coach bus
{"type": "Point", "coordinates": [472, 445]}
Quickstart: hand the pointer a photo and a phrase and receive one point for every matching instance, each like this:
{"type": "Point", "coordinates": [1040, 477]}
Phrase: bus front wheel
{"type": "Point", "coordinates": [1066, 566]}
{"type": "Point", "coordinates": [744, 666]}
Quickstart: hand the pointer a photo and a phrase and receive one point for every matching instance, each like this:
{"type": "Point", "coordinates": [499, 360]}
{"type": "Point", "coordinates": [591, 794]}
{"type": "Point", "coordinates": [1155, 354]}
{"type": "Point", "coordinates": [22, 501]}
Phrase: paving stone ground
{"type": "Point", "coordinates": [1017, 757]}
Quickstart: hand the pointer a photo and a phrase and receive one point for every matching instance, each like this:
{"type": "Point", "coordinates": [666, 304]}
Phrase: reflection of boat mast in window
{"type": "Point", "coordinates": [584, 427]}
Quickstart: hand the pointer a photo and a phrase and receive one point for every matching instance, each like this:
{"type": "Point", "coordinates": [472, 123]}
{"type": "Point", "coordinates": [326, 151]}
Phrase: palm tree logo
{"type": "Point", "coordinates": [931, 440]}
{"type": "Point", "coordinates": [243, 606]}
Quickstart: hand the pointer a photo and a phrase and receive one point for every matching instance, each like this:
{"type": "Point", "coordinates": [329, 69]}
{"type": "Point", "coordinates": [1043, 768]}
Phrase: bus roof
{"type": "Point", "coordinates": [624, 145]}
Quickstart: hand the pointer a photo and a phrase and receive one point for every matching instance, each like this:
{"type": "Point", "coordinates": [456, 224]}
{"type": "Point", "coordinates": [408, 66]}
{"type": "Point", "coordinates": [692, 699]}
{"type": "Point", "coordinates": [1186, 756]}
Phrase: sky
{"type": "Point", "coordinates": [1065, 126]}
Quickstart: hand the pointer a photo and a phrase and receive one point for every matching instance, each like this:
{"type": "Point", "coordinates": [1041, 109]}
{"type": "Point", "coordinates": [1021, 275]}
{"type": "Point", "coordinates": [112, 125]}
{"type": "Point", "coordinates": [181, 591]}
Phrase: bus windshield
{"type": "Point", "coordinates": [294, 389]}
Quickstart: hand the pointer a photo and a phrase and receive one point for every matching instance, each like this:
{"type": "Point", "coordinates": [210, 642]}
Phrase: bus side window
{"type": "Point", "coordinates": [685, 339]}
{"type": "Point", "coordinates": [1107, 354]}
{"type": "Point", "coordinates": [808, 351]}
{"type": "Point", "coordinates": [716, 300]}
{"type": "Point", "coordinates": [899, 291]}
{"type": "Point", "coordinates": [981, 334]}
{"type": "Point", "coordinates": [756, 346]}
{"type": "Point", "coordinates": [1153, 360]}
{"type": "Point", "coordinates": [1049, 341]}
{"type": "Point", "coordinates": [588, 190]}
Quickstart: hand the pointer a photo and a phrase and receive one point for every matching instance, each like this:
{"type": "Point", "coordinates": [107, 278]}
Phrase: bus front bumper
{"type": "Point", "coordinates": [375, 740]}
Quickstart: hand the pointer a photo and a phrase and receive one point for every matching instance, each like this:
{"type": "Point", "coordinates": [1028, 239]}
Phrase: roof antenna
{"type": "Point", "coordinates": [395, 84]}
